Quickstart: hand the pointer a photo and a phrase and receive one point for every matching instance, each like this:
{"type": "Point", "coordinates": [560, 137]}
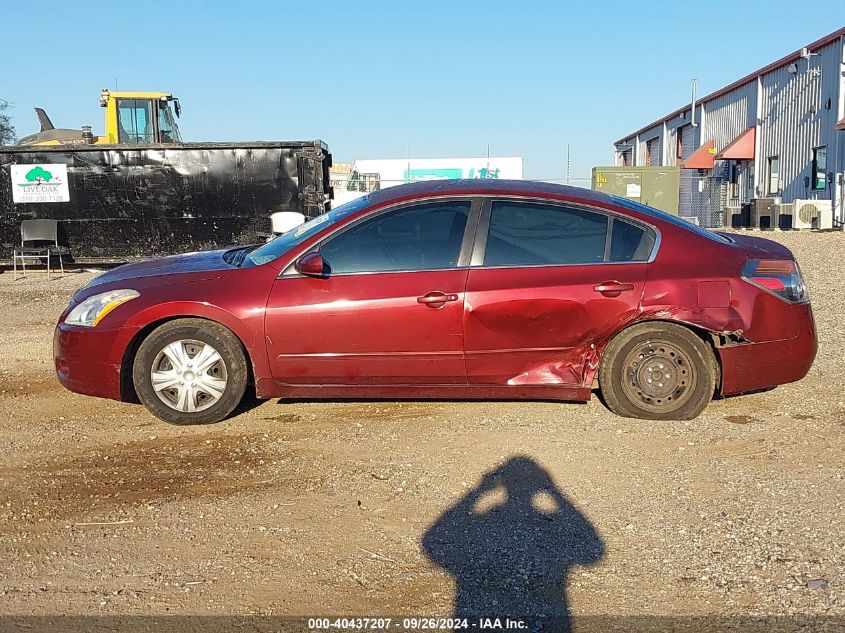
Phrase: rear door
{"type": "Point", "coordinates": [390, 309]}
{"type": "Point", "coordinates": [548, 281]}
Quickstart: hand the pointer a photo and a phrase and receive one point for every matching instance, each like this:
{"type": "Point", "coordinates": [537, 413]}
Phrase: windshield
{"type": "Point", "coordinates": [671, 219]}
{"type": "Point", "coordinates": [297, 235]}
{"type": "Point", "coordinates": [167, 124]}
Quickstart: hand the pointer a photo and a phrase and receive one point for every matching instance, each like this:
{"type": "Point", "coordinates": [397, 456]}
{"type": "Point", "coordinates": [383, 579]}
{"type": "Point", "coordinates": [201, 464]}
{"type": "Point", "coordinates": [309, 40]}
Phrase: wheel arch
{"type": "Point", "coordinates": [127, 387]}
{"type": "Point", "coordinates": [714, 339]}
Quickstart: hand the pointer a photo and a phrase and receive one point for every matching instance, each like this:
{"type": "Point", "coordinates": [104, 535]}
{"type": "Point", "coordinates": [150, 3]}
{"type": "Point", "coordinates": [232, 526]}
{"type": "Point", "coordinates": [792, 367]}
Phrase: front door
{"type": "Point", "coordinates": [549, 281]}
{"type": "Point", "coordinates": [389, 311]}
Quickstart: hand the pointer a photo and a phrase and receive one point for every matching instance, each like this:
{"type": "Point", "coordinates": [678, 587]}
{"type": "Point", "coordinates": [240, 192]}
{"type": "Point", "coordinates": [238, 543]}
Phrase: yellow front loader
{"type": "Point", "coordinates": [131, 118]}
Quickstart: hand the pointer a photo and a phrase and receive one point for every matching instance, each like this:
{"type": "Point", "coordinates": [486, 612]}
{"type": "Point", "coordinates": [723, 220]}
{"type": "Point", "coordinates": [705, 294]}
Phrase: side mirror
{"type": "Point", "coordinates": [310, 264]}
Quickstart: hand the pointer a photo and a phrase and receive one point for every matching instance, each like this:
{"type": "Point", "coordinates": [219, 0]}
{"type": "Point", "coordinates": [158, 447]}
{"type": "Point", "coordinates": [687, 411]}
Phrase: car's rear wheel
{"type": "Point", "coordinates": [190, 371]}
{"type": "Point", "coordinates": [657, 371]}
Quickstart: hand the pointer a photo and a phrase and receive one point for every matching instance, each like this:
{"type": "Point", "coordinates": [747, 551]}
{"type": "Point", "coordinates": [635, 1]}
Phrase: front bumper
{"type": "Point", "coordinates": [84, 361]}
{"type": "Point", "coordinates": [754, 366]}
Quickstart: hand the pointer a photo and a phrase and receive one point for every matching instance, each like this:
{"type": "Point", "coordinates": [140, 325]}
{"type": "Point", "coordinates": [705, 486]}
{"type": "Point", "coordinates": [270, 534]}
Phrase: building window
{"type": "Point", "coordinates": [774, 175]}
{"type": "Point", "coordinates": [819, 168]}
{"type": "Point", "coordinates": [679, 144]}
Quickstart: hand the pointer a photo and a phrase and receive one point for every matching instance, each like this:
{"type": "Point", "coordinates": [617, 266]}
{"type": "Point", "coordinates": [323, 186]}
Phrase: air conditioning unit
{"type": "Point", "coordinates": [812, 214]}
{"type": "Point", "coordinates": [783, 213]}
{"type": "Point", "coordinates": [762, 212]}
{"type": "Point", "coordinates": [733, 216]}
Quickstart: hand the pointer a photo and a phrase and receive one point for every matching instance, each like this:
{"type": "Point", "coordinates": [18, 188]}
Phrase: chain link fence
{"type": "Point", "coordinates": [703, 200]}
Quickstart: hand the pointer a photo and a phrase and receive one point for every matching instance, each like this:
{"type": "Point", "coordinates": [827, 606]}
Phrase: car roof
{"type": "Point", "coordinates": [490, 186]}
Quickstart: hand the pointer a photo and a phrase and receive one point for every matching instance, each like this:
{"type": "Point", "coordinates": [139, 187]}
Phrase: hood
{"type": "Point", "coordinates": [759, 247]}
{"type": "Point", "coordinates": [176, 268]}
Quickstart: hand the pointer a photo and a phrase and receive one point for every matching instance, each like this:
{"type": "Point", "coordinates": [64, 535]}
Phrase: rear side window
{"type": "Point", "coordinates": [629, 243]}
{"type": "Point", "coordinates": [533, 234]}
{"type": "Point", "coordinates": [420, 237]}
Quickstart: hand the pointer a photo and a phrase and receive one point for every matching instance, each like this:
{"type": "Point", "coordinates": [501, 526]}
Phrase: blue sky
{"type": "Point", "coordinates": [380, 79]}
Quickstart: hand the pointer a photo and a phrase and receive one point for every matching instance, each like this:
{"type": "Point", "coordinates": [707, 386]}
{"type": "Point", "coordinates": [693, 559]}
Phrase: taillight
{"type": "Point", "coordinates": [781, 277]}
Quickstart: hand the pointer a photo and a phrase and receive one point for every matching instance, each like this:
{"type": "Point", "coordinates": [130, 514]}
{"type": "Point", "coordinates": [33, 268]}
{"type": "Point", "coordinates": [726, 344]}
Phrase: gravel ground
{"type": "Point", "coordinates": [399, 507]}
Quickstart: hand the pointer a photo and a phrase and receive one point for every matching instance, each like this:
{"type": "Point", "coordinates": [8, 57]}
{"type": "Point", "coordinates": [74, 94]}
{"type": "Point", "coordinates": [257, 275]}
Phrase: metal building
{"type": "Point", "coordinates": [766, 150]}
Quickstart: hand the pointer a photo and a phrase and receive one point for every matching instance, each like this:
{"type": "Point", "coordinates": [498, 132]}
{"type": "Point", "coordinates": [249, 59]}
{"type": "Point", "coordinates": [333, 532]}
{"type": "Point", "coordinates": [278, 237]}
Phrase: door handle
{"type": "Point", "coordinates": [436, 299]}
{"type": "Point", "coordinates": [612, 288]}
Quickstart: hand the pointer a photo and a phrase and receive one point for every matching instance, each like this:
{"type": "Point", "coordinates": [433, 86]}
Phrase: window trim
{"type": "Point", "coordinates": [814, 184]}
{"type": "Point", "coordinates": [769, 191]}
{"type": "Point", "coordinates": [153, 114]}
{"type": "Point", "coordinates": [483, 231]}
{"type": "Point", "coordinates": [475, 202]}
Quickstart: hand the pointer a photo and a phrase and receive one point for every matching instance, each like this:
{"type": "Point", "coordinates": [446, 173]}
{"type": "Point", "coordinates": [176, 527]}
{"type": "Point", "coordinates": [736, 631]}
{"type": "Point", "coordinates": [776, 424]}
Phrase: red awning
{"type": "Point", "coordinates": [702, 158]}
{"type": "Point", "coordinates": [840, 125]}
{"type": "Point", "coordinates": [741, 148]}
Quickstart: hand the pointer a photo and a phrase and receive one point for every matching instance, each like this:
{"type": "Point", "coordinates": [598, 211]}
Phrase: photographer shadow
{"type": "Point", "coordinates": [510, 544]}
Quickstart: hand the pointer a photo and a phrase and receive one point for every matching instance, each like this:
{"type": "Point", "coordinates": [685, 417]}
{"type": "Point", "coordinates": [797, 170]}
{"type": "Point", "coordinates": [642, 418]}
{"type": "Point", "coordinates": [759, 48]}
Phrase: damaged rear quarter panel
{"type": "Point", "coordinates": [701, 286]}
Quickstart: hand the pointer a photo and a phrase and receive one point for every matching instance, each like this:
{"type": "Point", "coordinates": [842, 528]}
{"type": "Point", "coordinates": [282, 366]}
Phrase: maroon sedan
{"type": "Point", "coordinates": [455, 289]}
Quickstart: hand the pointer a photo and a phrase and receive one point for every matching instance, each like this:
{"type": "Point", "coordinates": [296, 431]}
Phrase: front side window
{"type": "Point", "coordinates": [135, 121]}
{"type": "Point", "coordinates": [819, 168]}
{"type": "Point", "coordinates": [535, 234]}
{"type": "Point", "coordinates": [424, 236]}
{"type": "Point", "coordinates": [774, 175]}
{"type": "Point", "coordinates": [297, 235]}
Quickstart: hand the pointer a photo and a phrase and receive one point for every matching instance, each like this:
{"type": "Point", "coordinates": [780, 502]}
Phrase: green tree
{"type": "Point", "coordinates": [7, 130]}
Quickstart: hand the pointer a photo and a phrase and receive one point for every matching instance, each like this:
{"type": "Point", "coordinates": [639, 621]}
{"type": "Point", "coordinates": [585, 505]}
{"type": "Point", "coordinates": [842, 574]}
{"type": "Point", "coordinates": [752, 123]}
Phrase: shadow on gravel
{"type": "Point", "coordinates": [510, 544]}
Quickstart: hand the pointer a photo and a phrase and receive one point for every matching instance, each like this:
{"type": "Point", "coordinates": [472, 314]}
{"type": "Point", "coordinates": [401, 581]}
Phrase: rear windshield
{"type": "Point", "coordinates": [671, 219]}
{"type": "Point", "coordinates": [286, 241]}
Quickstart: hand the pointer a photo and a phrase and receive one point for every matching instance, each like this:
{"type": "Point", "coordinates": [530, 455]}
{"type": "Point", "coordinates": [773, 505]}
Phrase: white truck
{"type": "Point", "coordinates": [371, 175]}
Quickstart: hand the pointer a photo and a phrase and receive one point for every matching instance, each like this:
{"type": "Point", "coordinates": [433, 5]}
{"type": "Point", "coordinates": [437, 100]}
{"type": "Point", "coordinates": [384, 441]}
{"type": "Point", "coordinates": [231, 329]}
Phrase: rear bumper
{"type": "Point", "coordinates": [83, 358]}
{"type": "Point", "coordinates": [754, 366]}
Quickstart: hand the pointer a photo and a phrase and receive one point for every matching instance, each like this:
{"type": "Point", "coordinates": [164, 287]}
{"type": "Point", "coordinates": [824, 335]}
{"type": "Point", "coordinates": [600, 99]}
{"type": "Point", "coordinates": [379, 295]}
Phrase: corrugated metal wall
{"type": "Point", "coordinates": [654, 139]}
{"type": "Point", "coordinates": [796, 118]}
{"type": "Point", "coordinates": [799, 104]}
{"type": "Point", "coordinates": [730, 115]}
{"type": "Point", "coordinates": [670, 157]}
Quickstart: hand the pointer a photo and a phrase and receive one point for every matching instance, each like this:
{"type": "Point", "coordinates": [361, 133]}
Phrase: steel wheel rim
{"type": "Point", "coordinates": [659, 376]}
{"type": "Point", "coordinates": [189, 375]}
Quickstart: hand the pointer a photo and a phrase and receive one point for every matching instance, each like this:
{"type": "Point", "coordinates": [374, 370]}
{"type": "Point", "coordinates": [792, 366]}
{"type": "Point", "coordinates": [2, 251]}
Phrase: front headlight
{"type": "Point", "coordinates": [92, 310]}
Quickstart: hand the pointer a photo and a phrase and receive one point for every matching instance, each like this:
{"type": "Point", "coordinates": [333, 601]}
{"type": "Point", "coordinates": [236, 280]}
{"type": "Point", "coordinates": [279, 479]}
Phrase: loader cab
{"type": "Point", "coordinates": [140, 117]}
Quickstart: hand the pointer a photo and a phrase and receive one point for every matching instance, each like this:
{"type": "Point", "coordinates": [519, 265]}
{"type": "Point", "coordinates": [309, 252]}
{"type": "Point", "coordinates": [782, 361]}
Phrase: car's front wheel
{"type": "Point", "coordinates": [190, 371]}
{"type": "Point", "coordinates": [657, 371]}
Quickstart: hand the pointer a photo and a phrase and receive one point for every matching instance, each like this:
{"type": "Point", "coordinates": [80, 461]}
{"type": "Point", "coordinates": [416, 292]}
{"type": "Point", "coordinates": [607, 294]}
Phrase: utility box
{"type": "Point", "coordinates": [657, 187]}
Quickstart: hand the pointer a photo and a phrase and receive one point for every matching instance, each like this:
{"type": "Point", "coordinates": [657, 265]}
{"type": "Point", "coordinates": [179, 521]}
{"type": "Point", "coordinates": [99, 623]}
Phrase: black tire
{"type": "Point", "coordinates": [189, 334]}
{"type": "Point", "coordinates": [657, 371]}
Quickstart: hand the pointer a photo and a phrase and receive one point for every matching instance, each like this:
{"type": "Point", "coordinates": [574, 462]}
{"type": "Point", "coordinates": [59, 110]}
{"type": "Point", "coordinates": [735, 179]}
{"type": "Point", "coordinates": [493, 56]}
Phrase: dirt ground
{"type": "Point", "coordinates": [400, 508]}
